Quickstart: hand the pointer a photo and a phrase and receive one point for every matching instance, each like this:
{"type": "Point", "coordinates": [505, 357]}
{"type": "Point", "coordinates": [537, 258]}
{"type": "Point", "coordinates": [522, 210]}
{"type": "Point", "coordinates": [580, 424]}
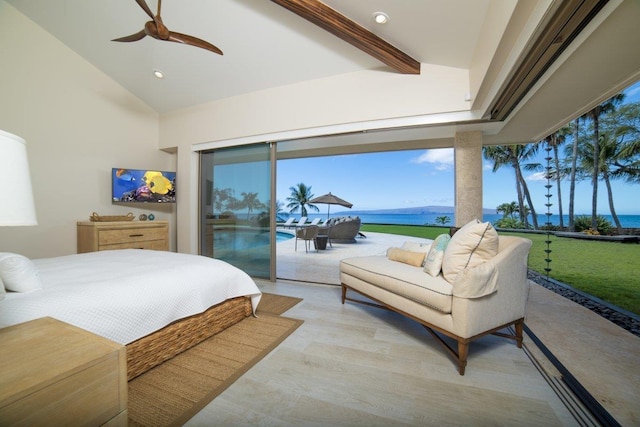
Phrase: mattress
{"type": "Point", "coordinates": [124, 295]}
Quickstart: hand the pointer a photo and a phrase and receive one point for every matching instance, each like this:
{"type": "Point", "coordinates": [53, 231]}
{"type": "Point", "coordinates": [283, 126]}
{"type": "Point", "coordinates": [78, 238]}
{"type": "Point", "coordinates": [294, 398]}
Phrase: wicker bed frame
{"type": "Point", "coordinates": [153, 349]}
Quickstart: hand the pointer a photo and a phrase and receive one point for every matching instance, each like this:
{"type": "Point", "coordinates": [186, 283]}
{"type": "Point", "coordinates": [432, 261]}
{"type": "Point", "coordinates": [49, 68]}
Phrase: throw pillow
{"type": "Point", "coordinates": [433, 261]}
{"type": "Point", "coordinates": [407, 257]}
{"type": "Point", "coordinates": [18, 273]}
{"type": "Point", "coordinates": [473, 244]}
{"type": "Point", "coordinates": [3, 292]}
{"type": "Point", "coordinates": [476, 282]}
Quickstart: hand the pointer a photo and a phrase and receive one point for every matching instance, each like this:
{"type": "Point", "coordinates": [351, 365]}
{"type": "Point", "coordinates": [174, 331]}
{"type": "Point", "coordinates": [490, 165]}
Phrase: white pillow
{"type": "Point", "coordinates": [473, 244]}
{"type": "Point", "coordinates": [18, 273]}
{"type": "Point", "coordinates": [433, 260]}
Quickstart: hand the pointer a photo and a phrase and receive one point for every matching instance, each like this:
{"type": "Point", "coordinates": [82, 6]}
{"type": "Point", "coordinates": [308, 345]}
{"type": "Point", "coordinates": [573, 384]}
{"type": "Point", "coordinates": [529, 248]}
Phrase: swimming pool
{"type": "Point", "coordinates": [238, 239]}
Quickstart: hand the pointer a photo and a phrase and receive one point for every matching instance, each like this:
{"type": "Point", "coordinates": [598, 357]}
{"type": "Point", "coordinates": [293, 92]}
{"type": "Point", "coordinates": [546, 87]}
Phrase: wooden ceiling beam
{"type": "Point", "coordinates": [339, 25]}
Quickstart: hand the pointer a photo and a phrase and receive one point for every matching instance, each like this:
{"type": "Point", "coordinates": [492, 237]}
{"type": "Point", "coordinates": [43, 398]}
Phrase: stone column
{"type": "Point", "coordinates": [468, 177]}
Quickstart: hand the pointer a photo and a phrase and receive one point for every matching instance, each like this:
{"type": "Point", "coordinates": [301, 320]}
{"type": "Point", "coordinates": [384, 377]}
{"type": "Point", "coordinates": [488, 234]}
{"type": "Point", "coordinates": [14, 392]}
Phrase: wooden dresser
{"type": "Point", "coordinates": [55, 374]}
{"type": "Point", "coordinates": [100, 236]}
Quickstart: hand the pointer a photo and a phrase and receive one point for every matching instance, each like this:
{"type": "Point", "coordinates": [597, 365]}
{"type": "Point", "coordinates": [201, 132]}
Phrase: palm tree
{"type": "Point", "coordinates": [299, 199]}
{"type": "Point", "coordinates": [223, 199]}
{"type": "Point", "coordinates": [555, 141]}
{"type": "Point", "coordinates": [515, 156]}
{"type": "Point", "coordinates": [251, 202]}
{"type": "Point", "coordinates": [279, 206]}
{"type": "Point", "coordinates": [507, 209]}
{"type": "Point", "coordinates": [442, 220]}
{"type": "Point", "coordinates": [594, 115]}
{"type": "Point", "coordinates": [608, 150]}
{"type": "Point", "coordinates": [572, 185]}
{"type": "Point", "coordinates": [625, 126]}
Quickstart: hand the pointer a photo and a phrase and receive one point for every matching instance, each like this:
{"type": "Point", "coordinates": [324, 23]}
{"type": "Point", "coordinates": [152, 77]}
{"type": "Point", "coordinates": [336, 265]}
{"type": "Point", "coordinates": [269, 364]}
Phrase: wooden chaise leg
{"type": "Point", "coordinates": [463, 351]}
{"type": "Point", "coordinates": [519, 325]}
{"type": "Point", "coordinates": [463, 343]}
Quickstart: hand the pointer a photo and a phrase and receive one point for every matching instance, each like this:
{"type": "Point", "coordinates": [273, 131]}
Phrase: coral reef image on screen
{"type": "Point", "coordinates": [134, 185]}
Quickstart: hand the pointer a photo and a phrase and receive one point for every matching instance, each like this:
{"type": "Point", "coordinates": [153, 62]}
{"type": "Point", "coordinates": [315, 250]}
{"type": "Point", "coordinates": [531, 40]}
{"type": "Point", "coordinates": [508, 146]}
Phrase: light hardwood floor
{"type": "Point", "coordinates": [351, 365]}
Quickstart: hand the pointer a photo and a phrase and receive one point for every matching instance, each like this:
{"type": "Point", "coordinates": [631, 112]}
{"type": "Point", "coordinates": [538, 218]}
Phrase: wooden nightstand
{"type": "Point", "coordinates": [55, 374]}
{"type": "Point", "coordinates": [100, 236]}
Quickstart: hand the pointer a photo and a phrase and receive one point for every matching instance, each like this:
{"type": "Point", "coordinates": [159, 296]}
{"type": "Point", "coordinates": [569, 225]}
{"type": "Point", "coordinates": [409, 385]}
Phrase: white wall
{"type": "Point", "coordinates": [356, 98]}
{"type": "Point", "coordinates": [78, 124]}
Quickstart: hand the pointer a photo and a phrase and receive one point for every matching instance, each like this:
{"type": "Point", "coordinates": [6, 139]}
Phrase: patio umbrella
{"type": "Point", "coordinates": [329, 199]}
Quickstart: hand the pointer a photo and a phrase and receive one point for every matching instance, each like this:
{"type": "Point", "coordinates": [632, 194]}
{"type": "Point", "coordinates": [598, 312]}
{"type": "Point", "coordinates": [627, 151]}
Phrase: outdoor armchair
{"type": "Point", "coordinates": [307, 234]}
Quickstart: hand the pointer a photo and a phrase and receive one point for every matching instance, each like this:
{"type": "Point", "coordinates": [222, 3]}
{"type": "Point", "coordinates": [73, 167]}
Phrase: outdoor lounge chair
{"type": "Point", "coordinates": [316, 221]}
{"type": "Point", "coordinates": [288, 223]}
{"type": "Point", "coordinates": [344, 230]}
{"type": "Point", "coordinates": [301, 223]}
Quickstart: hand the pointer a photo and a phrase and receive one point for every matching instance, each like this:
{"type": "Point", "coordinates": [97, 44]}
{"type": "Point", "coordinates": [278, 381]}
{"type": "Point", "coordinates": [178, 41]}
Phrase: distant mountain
{"type": "Point", "coordinates": [410, 211]}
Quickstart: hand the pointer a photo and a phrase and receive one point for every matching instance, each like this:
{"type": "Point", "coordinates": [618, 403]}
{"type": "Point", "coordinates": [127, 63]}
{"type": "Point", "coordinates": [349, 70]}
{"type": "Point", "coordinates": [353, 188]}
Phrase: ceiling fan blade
{"type": "Point", "coordinates": [143, 5]}
{"type": "Point", "coordinates": [193, 41]}
{"type": "Point", "coordinates": [132, 38]}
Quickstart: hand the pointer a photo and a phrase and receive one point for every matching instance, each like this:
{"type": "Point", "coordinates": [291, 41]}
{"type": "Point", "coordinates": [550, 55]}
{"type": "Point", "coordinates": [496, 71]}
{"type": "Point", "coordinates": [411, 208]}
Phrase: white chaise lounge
{"type": "Point", "coordinates": [480, 288]}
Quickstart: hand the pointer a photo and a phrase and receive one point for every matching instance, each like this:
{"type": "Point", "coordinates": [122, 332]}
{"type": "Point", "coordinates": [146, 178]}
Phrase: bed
{"type": "Point", "coordinates": [156, 303]}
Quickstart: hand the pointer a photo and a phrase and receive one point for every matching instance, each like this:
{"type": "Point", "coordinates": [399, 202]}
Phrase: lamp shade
{"type": "Point", "coordinates": [16, 197]}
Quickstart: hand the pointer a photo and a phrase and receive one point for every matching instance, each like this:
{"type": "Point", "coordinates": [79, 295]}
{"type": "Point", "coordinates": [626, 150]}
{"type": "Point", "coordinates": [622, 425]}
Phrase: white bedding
{"type": "Point", "coordinates": [124, 295]}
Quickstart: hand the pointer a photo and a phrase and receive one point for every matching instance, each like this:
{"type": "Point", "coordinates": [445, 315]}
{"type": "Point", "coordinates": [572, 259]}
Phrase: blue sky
{"type": "Point", "coordinates": [425, 177]}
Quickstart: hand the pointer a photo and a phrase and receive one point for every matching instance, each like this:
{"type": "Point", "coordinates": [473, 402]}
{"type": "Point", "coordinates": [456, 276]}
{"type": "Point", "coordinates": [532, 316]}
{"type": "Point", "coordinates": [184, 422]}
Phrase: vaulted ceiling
{"type": "Point", "coordinates": [527, 88]}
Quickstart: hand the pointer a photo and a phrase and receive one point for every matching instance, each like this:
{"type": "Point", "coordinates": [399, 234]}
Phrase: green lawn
{"type": "Point", "coordinates": [607, 270]}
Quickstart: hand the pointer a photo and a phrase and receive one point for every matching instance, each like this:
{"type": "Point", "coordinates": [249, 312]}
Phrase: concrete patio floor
{"type": "Point", "coordinates": [602, 356]}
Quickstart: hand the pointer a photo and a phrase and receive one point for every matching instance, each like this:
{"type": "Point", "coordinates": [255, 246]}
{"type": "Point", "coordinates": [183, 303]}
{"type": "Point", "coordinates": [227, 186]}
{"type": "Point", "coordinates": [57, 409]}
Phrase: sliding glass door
{"type": "Point", "coordinates": [235, 215]}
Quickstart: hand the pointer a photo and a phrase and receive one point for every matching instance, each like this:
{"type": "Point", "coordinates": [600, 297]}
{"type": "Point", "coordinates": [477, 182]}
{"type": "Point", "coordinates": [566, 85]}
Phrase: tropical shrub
{"type": "Point", "coordinates": [442, 220]}
{"type": "Point", "coordinates": [508, 222]}
{"type": "Point", "coordinates": [582, 223]}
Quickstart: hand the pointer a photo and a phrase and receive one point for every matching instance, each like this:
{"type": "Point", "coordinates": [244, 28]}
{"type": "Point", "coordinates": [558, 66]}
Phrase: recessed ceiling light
{"type": "Point", "coordinates": [158, 74]}
{"type": "Point", "coordinates": [381, 17]}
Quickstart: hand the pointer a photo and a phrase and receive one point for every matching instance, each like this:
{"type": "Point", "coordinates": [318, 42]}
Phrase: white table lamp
{"type": "Point", "coordinates": [16, 197]}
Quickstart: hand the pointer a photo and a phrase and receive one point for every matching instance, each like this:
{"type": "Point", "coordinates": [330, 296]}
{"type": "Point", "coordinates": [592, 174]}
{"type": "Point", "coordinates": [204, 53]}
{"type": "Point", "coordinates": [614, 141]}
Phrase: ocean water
{"type": "Point", "coordinates": [627, 221]}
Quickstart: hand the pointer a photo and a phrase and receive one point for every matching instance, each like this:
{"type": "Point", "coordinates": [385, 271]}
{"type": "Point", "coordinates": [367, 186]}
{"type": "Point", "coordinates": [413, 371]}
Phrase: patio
{"type": "Point", "coordinates": [599, 354]}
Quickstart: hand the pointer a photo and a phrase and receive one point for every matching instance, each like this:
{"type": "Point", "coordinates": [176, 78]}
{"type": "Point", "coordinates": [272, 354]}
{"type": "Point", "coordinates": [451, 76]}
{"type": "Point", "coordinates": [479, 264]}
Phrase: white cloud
{"type": "Point", "coordinates": [441, 158]}
{"type": "Point", "coordinates": [538, 176]}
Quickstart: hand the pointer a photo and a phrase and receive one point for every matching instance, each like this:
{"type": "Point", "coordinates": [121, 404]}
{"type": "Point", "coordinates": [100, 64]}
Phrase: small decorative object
{"type": "Point", "coordinates": [142, 217]}
{"type": "Point", "coordinates": [111, 218]}
{"type": "Point", "coordinates": [151, 217]}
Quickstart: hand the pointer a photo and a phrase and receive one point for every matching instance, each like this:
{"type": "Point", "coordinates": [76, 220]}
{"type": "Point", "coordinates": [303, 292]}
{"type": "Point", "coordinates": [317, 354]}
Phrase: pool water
{"type": "Point", "coordinates": [245, 239]}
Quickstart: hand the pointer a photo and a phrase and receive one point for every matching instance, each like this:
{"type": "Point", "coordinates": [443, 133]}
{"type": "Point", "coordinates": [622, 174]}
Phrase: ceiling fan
{"type": "Point", "coordinates": [158, 30]}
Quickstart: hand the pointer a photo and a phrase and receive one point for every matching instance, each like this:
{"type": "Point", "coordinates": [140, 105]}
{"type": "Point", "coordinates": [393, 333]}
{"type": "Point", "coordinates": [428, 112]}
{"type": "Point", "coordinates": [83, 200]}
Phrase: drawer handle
{"type": "Point", "coordinates": [136, 235]}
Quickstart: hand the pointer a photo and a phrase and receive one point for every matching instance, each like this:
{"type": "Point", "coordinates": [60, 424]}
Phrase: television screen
{"type": "Point", "coordinates": [145, 186]}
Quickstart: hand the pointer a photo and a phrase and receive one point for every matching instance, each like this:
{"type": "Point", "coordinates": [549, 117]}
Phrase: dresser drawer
{"type": "Point", "coordinates": [156, 245]}
{"type": "Point", "coordinates": [100, 236]}
{"type": "Point", "coordinates": [110, 237]}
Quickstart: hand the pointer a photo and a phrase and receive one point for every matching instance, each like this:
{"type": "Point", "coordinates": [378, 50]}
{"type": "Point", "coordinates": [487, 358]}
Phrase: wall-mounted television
{"type": "Point", "coordinates": [142, 186]}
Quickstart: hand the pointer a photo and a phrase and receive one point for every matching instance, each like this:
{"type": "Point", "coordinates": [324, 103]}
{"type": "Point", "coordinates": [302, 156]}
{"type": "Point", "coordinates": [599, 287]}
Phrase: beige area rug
{"type": "Point", "coordinates": [172, 393]}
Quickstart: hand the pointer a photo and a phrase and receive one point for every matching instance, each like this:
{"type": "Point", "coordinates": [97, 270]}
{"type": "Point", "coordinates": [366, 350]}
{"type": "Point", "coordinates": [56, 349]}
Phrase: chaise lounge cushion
{"type": "Point", "coordinates": [473, 244]}
{"type": "Point", "coordinates": [399, 278]}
